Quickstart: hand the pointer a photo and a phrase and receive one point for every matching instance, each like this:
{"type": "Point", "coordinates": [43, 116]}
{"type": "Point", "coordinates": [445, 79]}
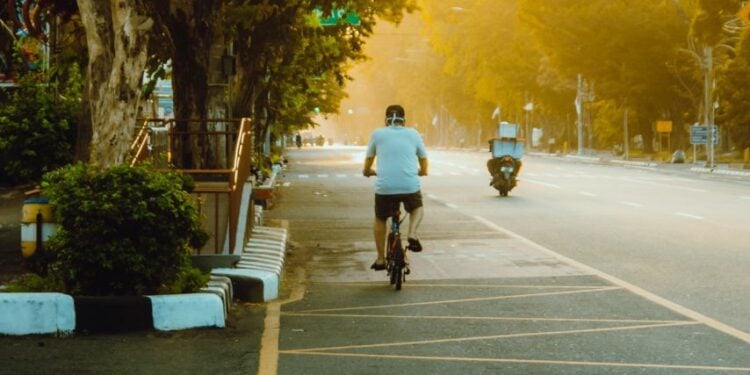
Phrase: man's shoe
{"type": "Point", "coordinates": [377, 266]}
{"type": "Point", "coordinates": [414, 245]}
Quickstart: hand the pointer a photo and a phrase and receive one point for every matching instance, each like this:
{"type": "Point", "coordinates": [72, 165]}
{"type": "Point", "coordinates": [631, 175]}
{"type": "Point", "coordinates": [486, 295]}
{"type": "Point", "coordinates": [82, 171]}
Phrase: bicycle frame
{"type": "Point", "coordinates": [395, 252]}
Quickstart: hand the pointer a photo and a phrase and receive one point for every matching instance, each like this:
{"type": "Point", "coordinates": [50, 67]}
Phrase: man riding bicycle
{"type": "Point", "coordinates": [402, 158]}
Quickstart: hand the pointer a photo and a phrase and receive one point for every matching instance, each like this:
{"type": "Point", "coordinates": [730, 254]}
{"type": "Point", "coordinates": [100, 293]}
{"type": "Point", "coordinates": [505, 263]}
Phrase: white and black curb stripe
{"type": "Point", "coordinates": [257, 275]}
{"type": "Point", "coordinates": [57, 313]}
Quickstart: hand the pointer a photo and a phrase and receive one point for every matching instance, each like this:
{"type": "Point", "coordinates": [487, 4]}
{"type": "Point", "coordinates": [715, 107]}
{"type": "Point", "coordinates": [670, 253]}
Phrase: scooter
{"type": "Point", "coordinates": [504, 171]}
{"type": "Point", "coordinates": [506, 150]}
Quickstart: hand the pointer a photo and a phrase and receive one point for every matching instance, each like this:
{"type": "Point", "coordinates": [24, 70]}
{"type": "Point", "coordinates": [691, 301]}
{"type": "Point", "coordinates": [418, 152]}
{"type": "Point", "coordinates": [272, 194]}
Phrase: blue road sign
{"type": "Point", "coordinates": [337, 15]}
{"type": "Point", "coordinates": [699, 135]}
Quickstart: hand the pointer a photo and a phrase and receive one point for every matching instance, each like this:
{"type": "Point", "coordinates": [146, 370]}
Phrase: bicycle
{"type": "Point", "coordinates": [395, 255]}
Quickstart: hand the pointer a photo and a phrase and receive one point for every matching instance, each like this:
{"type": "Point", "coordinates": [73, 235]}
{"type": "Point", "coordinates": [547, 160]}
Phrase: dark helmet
{"type": "Point", "coordinates": [394, 115]}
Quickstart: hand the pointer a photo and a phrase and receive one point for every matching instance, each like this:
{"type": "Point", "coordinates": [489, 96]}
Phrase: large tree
{"type": "Point", "coordinates": [117, 35]}
{"type": "Point", "coordinates": [289, 64]}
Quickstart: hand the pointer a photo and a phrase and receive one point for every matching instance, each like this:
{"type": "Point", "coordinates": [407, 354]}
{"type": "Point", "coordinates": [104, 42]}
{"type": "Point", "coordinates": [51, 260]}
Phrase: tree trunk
{"type": "Point", "coordinates": [190, 25]}
{"type": "Point", "coordinates": [117, 34]}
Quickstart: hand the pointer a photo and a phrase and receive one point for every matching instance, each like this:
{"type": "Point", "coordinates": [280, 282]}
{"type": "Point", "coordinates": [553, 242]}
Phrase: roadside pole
{"type": "Point", "coordinates": [708, 54]}
{"type": "Point", "coordinates": [626, 150]}
{"type": "Point", "coordinates": [579, 111]}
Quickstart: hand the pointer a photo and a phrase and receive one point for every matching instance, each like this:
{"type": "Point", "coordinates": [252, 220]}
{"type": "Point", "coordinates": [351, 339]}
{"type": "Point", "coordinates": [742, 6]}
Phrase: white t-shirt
{"type": "Point", "coordinates": [396, 149]}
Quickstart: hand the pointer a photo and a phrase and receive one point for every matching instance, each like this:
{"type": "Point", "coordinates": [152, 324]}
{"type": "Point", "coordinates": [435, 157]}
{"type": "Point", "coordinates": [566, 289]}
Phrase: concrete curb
{"type": "Point", "coordinates": [589, 159]}
{"type": "Point", "coordinates": [60, 314]}
{"type": "Point", "coordinates": [257, 276]}
{"type": "Point", "coordinates": [727, 172]}
{"type": "Point", "coordinates": [635, 163]}
{"type": "Point", "coordinates": [183, 311]}
{"type": "Point", "coordinates": [36, 313]}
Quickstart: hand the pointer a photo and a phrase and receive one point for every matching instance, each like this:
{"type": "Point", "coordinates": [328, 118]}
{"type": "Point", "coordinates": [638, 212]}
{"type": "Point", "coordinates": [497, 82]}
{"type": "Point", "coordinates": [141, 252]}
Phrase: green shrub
{"type": "Point", "coordinates": [38, 127]}
{"type": "Point", "coordinates": [189, 280]}
{"type": "Point", "coordinates": [122, 231]}
{"type": "Point", "coordinates": [31, 282]}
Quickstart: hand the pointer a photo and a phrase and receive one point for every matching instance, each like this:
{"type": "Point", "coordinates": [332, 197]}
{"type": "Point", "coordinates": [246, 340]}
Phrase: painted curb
{"type": "Point", "coordinates": [182, 311]}
{"type": "Point", "coordinates": [251, 285]}
{"type": "Point", "coordinates": [113, 314]}
{"type": "Point", "coordinates": [57, 313]}
{"type": "Point", "coordinates": [36, 313]}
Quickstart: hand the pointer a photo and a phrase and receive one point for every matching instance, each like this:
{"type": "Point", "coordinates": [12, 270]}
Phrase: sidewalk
{"type": "Point", "coordinates": [608, 158]}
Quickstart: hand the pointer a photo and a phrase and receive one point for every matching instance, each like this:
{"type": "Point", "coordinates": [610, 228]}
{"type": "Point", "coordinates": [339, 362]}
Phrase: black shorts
{"type": "Point", "coordinates": [385, 205]}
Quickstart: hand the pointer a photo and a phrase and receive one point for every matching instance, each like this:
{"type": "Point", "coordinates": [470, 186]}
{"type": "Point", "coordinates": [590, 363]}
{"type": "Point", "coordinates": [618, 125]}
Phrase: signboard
{"type": "Point", "coordinates": [664, 126]}
{"type": "Point", "coordinates": [744, 13]}
{"type": "Point", "coordinates": [699, 135]}
{"type": "Point", "coordinates": [338, 14]}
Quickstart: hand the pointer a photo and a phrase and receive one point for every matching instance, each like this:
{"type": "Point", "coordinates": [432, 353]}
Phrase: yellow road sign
{"type": "Point", "coordinates": [744, 13]}
{"type": "Point", "coordinates": [664, 126]}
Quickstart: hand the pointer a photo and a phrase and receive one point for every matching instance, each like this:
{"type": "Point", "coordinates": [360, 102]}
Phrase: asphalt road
{"type": "Point", "coordinates": [583, 269]}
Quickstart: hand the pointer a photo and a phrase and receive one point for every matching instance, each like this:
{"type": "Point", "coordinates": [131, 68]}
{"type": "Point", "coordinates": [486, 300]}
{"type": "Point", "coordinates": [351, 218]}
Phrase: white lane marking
{"type": "Point", "coordinates": [586, 193]}
{"type": "Point", "coordinates": [455, 174]}
{"type": "Point", "coordinates": [433, 196]}
{"type": "Point", "coordinates": [682, 310]}
{"type": "Point", "coordinates": [341, 176]}
{"type": "Point", "coordinates": [551, 175]}
{"type": "Point", "coordinates": [673, 186]}
{"type": "Point", "coordinates": [451, 205]}
{"type": "Point", "coordinates": [462, 167]}
{"type": "Point", "coordinates": [531, 174]}
{"type": "Point", "coordinates": [475, 170]}
{"type": "Point", "coordinates": [542, 183]}
{"type": "Point", "coordinates": [631, 204]}
{"type": "Point", "coordinates": [286, 184]}
{"type": "Point", "coordinates": [303, 176]}
{"type": "Point", "coordinates": [745, 197]}
{"type": "Point", "coordinates": [322, 176]}
{"type": "Point", "coordinates": [436, 173]}
{"type": "Point", "coordinates": [689, 216]}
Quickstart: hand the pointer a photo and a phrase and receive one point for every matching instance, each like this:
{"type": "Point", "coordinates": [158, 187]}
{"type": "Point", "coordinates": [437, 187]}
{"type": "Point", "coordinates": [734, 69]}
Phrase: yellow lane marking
{"type": "Point", "coordinates": [462, 300]}
{"type": "Point", "coordinates": [269, 352]}
{"type": "Point", "coordinates": [491, 286]}
{"type": "Point", "coordinates": [694, 315]}
{"type": "Point", "coordinates": [524, 361]}
{"type": "Point", "coordinates": [492, 337]}
{"type": "Point", "coordinates": [448, 317]}
{"type": "Point", "coordinates": [269, 343]}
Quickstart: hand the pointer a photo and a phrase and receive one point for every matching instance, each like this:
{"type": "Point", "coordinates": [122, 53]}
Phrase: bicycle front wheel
{"type": "Point", "coordinates": [395, 272]}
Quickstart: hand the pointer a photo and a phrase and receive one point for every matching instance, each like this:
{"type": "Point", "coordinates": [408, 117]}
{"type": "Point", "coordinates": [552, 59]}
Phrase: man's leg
{"type": "Point", "coordinates": [415, 218]}
{"type": "Point", "coordinates": [379, 232]}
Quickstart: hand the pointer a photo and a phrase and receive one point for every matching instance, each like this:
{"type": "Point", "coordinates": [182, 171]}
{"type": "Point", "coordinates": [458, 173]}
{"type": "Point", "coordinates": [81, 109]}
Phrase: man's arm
{"type": "Point", "coordinates": [367, 170]}
{"type": "Point", "coordinates": [423, 166]}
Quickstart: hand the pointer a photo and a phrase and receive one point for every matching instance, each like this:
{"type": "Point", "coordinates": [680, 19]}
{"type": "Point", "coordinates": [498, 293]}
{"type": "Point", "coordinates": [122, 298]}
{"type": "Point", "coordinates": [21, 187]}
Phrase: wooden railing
{"type": "Point", "coordinates": [218, 189]}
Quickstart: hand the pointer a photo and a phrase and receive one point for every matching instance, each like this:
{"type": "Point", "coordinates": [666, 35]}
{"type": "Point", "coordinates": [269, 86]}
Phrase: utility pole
{"type": "Point", "coordinates": [579, 110]}
{"type": "Point", "coordinates": [626, 150]}
{"type": "Point", "coordinates": [526, 110]}
{"type": "Point", "coordinates": [709, 56]}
